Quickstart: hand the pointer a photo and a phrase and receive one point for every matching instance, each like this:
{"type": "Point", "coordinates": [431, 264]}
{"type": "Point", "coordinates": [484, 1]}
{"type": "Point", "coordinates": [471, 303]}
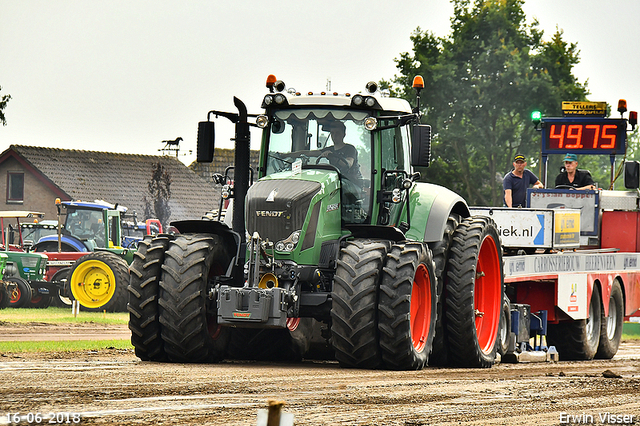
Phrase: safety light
{"type": "Point", "coordinates": [58, 201]}
{"type": "Point", "coordinates": [633, 119]}
{"type": "Point", "coordinates": [536, 116]}
{"type": "Point", "coordinates": [271, 80]}
{"type": "Point", "coordinates": [418, 82]}
{"type": "Point", "coordinates": [622, 106]}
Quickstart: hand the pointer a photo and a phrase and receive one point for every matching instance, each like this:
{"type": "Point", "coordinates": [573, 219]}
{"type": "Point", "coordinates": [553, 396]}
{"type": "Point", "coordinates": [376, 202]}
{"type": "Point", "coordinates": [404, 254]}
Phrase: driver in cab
{"type": "Point", "coordinates": [573, 177]}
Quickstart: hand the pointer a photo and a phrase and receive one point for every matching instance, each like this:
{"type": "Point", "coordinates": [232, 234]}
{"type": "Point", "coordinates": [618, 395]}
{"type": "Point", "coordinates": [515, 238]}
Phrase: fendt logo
{"type": "Point", "coordinates": [269, 213]}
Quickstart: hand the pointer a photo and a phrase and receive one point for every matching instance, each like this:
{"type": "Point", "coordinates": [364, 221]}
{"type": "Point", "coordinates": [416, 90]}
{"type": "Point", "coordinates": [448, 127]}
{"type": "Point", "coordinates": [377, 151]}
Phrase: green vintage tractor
{"type": "Point", "coordinates": [339, 233]}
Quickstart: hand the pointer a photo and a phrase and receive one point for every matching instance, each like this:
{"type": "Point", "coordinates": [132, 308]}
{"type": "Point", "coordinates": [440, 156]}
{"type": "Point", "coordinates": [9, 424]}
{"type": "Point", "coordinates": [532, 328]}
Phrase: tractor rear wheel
{"type": "Point", "coordinates": [99, 280]}
{"type": "Point", "coordinates": [578, 339]}
{"type": "Point", "coordinates": [440, 250]}
{"type": "Point", "coordinates": [144, 289]}
{"type": "Point", "coordinates": [407, 307]}
{"type": "Point", "coordinates": [611, 326]}
{"type": "Point", "coordinates": [190, 330]}
{"type": "Point", "coordinates": [474, 293]}
{"type": "Point", "coordinates": [354, 328]}
{"type": "Point", "coordinates": [19, 292]}
{"type": "Point", "coordinates": [265, 344]}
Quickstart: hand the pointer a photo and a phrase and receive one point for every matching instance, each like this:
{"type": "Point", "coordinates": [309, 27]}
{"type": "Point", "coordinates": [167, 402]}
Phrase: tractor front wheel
{"type": "Point", "coordinates": [19, 292]}
{"type": "Point", "coordinates": [144, 289]}
{"type": "Point", "coordinates": [354, 329]}
{"type": "Point", "coordinates": [474, 293]}
{"type": "Point", "coordinates": [190, 330]}
{"type": "Point", "coordinates": [99, 280]}
{"type": "Point", "coordinates": [59, 299]}
{"type": "Point", "coordinates": [407, 307]}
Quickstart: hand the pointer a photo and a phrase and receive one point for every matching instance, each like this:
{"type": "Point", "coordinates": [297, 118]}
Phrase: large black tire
{"type": "Point", "coordinates": [144, 290]}
{"type": "Point", "coordinates": [354, 325]}
{"type": "Point", "coordinates": [475, 291]}
{"type": "Point", "coordinates": [58, 297]}
{"type": "Point", "coordinates": [440, 250]}
{"type": "Point", "coordinates": [190, 330]}
{"type": "Point", "coordinates": [19, 292]}
{"type": "Point", "coordinates": [407, 306]}
{"type": "Point", "coordinates": [578, 339]}
{"type": "Point", "coordinates": [611, 326]}
{"type": "Point", "coordinates": [99, 280]}
{"type": "Point", "coordinates": [39, 300]}
{"type": "Point", "coordinates": [278, 345]}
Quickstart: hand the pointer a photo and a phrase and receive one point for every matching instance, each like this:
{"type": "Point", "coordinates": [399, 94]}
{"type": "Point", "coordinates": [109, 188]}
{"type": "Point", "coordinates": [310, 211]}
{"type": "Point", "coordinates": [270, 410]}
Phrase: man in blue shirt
{"type": "Point", "coordinates": [517, 181]}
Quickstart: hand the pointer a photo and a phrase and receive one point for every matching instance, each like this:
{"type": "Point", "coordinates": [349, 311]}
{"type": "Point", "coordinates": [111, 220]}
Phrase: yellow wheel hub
{"type": "Point", "coordinates": [93, 283]}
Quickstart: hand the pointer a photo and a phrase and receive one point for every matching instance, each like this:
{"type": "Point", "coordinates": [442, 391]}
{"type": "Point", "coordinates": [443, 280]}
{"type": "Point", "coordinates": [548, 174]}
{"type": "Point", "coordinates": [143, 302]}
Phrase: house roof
{"type": "Point", "coordinates": [119, 178]}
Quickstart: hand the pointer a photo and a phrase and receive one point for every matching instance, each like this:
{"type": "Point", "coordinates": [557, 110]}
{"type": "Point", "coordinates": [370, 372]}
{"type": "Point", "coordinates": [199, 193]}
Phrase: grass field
{"type": "Point", "coordinates": [61, 316]}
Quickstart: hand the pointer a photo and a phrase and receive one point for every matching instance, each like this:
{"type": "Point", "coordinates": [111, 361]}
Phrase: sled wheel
{"type": "Point", "coordinates": [611, 326]}
{"type": "Point", "coordinates": [407, 307]}
{"type": "Point", "coordinates": [440, 251]}
{"type": "Point", "coordinates": [99, 280]}
{"type": "Point", "coordinates": [144, 287]}
{"type": "Point", "coordinates": [19, 292]}
{"type": "Point", "coordinates": [578, 339]}
{"type": "Point", "coordinates": [474, 293]}
{"type": "Point", "coordinates": [505, 327]}
{"type": "Point", "coordinates": [354, 329]}
{"type": "Point", "coordinates": [189, 328]}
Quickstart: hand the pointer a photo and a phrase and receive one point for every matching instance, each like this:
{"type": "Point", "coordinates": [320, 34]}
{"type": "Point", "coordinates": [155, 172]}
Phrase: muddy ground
{"type": "Point", "coordinates": [112, 387]}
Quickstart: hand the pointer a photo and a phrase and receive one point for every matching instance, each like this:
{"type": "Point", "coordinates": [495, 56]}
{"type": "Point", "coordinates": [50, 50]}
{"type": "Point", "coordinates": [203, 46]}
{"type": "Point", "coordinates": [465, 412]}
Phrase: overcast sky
{"type": "Point", "coordinates": [123, 75]}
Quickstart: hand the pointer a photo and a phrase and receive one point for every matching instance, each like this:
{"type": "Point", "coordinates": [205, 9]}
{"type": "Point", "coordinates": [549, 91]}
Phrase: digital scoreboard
{"type": "Point", "coordinates": [584, 135]}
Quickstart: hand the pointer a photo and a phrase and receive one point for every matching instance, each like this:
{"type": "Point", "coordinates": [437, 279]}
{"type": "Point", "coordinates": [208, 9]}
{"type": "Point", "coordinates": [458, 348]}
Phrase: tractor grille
{"type": "Point", "coordinates": [276, 208]}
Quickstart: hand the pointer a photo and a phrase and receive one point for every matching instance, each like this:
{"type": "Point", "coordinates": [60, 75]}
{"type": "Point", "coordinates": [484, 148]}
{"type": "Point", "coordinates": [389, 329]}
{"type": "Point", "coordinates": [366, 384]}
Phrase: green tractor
{"type": "Point", "coordinates": [338, 233]}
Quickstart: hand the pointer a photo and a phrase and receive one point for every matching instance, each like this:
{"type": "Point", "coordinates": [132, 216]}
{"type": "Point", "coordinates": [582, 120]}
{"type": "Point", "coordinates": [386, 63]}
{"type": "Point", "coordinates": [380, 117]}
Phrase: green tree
{"type": "Point", "coordinates": [157, 201]}
{"type": "Point", "coordinates": [481, 84]}
{"type": "Point", "coordinates": [3, 104]}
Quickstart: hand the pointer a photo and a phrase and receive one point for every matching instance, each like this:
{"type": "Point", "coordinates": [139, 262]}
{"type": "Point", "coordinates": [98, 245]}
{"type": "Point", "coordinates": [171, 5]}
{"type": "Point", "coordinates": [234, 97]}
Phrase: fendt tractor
{"type": "Point", "coordinates": [337, 231]}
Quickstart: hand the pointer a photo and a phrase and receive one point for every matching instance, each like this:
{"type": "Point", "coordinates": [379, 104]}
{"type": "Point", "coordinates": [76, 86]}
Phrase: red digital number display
{"type": "Point", "coordinates": [566, 136]}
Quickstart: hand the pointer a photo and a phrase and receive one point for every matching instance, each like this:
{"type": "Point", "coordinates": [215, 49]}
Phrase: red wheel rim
{"type": "Point", "coordinates": [487, 291]}
{"type": "Point", "coordinates": [15, 295]}
{"type": "Point", "coordinates": [420, 308]}
{"type": "Point", "coordinates": [213, 327]}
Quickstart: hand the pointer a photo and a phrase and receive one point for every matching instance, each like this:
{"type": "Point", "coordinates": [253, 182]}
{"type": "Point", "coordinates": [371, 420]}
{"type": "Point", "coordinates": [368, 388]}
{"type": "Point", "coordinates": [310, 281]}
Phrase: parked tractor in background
{"type": "Point", "coordinates": [90, 255]}
{"type": "Point", "coordinates": [24, 272]}
{"type": "Point", "coordinates": [349, 239]}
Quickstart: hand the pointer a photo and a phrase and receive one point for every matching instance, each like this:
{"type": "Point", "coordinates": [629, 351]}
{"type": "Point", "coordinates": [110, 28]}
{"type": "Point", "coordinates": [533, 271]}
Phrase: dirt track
{"type": "Point", "coordinates": [114, 387]}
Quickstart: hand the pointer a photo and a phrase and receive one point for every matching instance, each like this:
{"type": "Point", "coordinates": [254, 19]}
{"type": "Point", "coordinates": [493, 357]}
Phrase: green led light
{"type": "Point", "coordinates": [536, 116]}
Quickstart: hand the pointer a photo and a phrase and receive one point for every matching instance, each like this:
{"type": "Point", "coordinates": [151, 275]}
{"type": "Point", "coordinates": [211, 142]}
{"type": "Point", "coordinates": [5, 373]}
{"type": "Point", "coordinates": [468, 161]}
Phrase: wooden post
{"type": "Point", "coordinates": [275, 408]}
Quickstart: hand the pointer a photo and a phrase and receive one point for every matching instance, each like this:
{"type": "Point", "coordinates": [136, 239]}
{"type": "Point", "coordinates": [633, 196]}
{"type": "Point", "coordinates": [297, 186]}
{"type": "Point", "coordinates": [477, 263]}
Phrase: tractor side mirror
{"type": "Point", "coordinates": [206, 141]}
{"type": "Point", "coordinates": [421, 145]}
{"type": "Point", "coordinates": [631, 174]}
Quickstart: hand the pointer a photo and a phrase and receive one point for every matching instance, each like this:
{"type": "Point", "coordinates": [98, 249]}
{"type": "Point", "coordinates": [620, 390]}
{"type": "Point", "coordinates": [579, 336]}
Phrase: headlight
{"type": "Point", "coordinates": [289, 243]}
{"type": "Point", "coordinates": [358, 100]}
{"type": "Point", "coordinates": [268, 100]}
{"type": "Point", "coordinates": [370, 123]}
{"type": "Point", "coordinates": [280, 99]}
{"type": "Point", "coordinates": [262, 121]}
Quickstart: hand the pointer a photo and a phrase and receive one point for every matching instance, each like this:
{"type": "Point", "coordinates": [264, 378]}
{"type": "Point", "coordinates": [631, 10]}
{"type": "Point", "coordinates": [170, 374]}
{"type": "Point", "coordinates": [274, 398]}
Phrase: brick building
{"type": "Point", "coordinates": [31, 178]}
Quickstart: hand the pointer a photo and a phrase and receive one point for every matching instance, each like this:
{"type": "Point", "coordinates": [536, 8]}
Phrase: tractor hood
{"type": "Point", "coordinates": [281, 204]}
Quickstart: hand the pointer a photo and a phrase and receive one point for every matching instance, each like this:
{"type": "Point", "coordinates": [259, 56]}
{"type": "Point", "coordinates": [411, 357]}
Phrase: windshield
{"type": "Point", "coordinates": [326, 139]}
{"type": "Point", "coordinates": [86, 225]}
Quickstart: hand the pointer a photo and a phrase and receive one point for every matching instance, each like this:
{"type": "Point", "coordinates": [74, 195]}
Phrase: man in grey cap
{"type": "Point", "coordinates": [572, 176]}
{"type": "Point", "coordinates": [516, 182]}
